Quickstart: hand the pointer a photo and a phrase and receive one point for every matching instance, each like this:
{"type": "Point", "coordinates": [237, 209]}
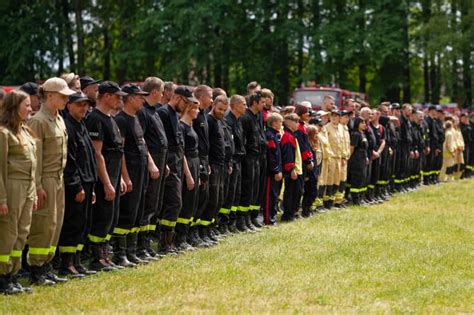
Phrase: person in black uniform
{"type": "Point", "coordinates": [134, 173]}
{"type": "Point", "coordinates": [439, 150]}
{"type": "Point", "coordinates": [407, 153]}
{"type": "Point", "coordinates": [172, 202]}
{"type": "Point", "coordinates": [232, 199]}
{"type": "Point", "coordinates": [108, 146]}
{"type": "Point", "coordinates": [358, 161]}
{"type": "Point", "coordinates": [191, 177]}
{"type": "Point", "coordinates": [466, 134]}
{"type": "Point", "coordinates": [386, 157]}
{"type": "Point", "coordinates": [219, 169]}
{"type": "Point", "coordinates": [429, 171]}
{"type": "Point", "coordinates": [157, 144]}
{"type": "Point", "coordinates": [90, 87]}
{"type": "Point", "coordinates": [80, 175]}
{"type": "Point", "coordinates": [366, 114]}
{"type": "Point", "coordinates": [379, 134]}
{"type": "Point", "coordinates": [203, 94]}
{"type": "Point", "coordinates": [251, 163]}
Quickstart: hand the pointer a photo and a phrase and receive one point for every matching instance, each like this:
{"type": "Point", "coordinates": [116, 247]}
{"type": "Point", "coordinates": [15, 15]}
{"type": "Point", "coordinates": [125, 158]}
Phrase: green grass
{"type": "Point", "coordinates": [413, 254]}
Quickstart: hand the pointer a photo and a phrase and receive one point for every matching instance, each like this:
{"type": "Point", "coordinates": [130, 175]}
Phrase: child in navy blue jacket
{"type": "Point", "coordinates": [275, 169]}
{"type": "Point", "coordinates": [293, 190]}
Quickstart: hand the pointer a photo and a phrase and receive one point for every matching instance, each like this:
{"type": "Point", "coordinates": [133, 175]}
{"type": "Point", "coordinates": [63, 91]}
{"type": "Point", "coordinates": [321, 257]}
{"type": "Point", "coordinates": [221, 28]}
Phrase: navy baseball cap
{"type": "Point", "coordinates": [186, 92]}
{"type": "Point", "coordinates": [30, 88]}
{"type": "Point", "coordinates": [86, 81]}
{"type": "Point", "coordinates": [78, 97]}
{"type": "Point", "coordinates": [132, 89]}
{"type": "Point", "coordinates": [111, 88]}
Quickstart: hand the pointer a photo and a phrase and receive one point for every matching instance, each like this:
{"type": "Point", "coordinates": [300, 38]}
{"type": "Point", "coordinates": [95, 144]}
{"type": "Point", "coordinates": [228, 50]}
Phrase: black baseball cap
{"type": "Point", "coordinates": [111, 88]}
{"type": "Point", "coordinates": [432, 107]}
{"type": "Point", "coordinates": [336, 112]}
{"type": "Point", "coordinates": [395, 106]}
{"type": "Point", "coordinates": [132, 89]}
{"type": "Point", "coordinates": [346, 112]}
{"type": "Point", "coordinates": [78, 97]}
{"type": "Point", "coordinates": [316, 121]}
{"type": "Point", "coordinates": [186, 92]}
{"type": "Point", "coordinates": [30, 88]}
{"type": "Point", "coordinates": [86, 81]}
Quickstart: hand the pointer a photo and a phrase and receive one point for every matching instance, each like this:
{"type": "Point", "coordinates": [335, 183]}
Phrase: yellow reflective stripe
{"type": "Point", "coordinates": [356, 190]}
{"type": "Point", "coordinates": [108, 237]}
{"type": "Point", "coordinates": [95, 239]}
{"type": "Point", "coordinates": [204, 222]}
{"type": "Point", "coordinates": [254, 207]}
{"type": "Point", "coordinates": [213, 220]}
{"type": "Point", "coordinates": [39, 251]}
{"type": "Point", "coordinates": [224, 211]}
{"type": "Point", "coordinates": [4, 258]}
{"type": "Point", "coordinates": [67, 249]}
{"type": "Point", "coordinates": [80, 247]}
{"type": "Point", "coordinates": [382, 182]}
{"type": "Point", "coordinates": [120, 231]}
{"type": "Point", "coordinates": [398, 181]}
{"type": "Point", "coordinates": [168, 223]}
{"type": "Point", "coordinates": [135, 229]}
{"type": "Point", "coordinates": [15, 253]}
{"type": "Point", "coordinates": [52, 249]}
{"type": "Point", "coordinates": [243, 209]}
{"type": "Point", "coordinates": [151, 227]}
{"type": "Point", "coordinates": [184, 220]}
{"type": "Point", "coordinates": [371, 186]}
{"type": "Point", "coordinates": [234, 208]}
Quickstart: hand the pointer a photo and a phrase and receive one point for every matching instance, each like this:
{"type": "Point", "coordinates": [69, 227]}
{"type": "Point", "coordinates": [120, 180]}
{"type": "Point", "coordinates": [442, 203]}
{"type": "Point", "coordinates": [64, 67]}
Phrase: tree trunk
{"type": "Point", "coordinates": [106, 74]}
{"type": "Point", "coordinates": [406, 58]}
{"type": "Point", "coordinates": [467, 50]}
{"type": "Point", "coordinates": [80, 36]}
{"type": "Point", "coordinates": [60, 23]}
{"type": "Point", "coordinates": [426, 15]}
{"type": "Point", "coordinates": [68, 35]}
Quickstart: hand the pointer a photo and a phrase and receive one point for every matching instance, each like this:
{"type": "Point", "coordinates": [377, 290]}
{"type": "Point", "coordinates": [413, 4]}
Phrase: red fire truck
{"type": "Point", "coordinates": [316, 94]}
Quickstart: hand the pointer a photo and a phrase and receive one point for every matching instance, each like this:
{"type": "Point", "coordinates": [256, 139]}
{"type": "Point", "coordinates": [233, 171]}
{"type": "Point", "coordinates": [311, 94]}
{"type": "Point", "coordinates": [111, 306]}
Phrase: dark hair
{"type": "Point", "coordinates": [255, 97]}
{"type": "Point", "coordinates": [9, 116]}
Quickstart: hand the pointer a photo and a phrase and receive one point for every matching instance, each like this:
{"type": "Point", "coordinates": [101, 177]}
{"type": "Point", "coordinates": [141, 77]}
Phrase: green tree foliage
{"type": "Point", "coordinates": [417, 51]}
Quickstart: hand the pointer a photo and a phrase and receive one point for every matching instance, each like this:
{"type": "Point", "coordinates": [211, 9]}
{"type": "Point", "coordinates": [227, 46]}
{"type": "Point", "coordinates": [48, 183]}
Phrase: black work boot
{"type": "Point", "coordinates": [49, 273]}
{"type": "Point", "coordinates": [248, 222]}
{"type": "Point", "coordinates": [232, 227]}
{"type": "Point", "coordinates": [182, 242]}
{"type": "Point", "coordinates": [67, 268]}
{"type": "Point", "coordinates": [132, 239]}
{"type": "Point", "coordinates": [142, 252]}
{"type": "Point", "coordinates": [80, 267]}
{"type": "Point", "coordinates": [7, 287]}
{"type": "Point", "coordinates": [97, 262]}
{"type": "Point", "coordinates": [195, 240]}
{"type": "Point", "coordinates": [149, 248]}
{"type": "Point", "coordinates": [241, 224]}
{"type": "Point", "coordinates": [166, 246]}
{"type": "Point", "coordinates": [18, 285]}
{"type": "Point", "coordinates": [120, 255]}
{"type": "Point", "coordinates": [204, 235]}
{"type": "Point", "coordinates": [38, 276]}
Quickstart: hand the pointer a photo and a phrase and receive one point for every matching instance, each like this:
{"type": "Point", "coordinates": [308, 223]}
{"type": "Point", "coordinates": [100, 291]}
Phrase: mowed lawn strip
{"type": "Point", "coordinates": [414, 253]}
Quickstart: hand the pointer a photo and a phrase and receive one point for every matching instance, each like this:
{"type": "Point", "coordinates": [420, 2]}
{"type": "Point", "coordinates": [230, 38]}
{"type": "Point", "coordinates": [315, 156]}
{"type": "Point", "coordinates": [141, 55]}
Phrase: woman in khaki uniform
{"type": "Point", "coordinates": [459, 157]}
{"type": "Point", "coordinates": [449, 152]}
{"type": "Point", "coordinates": [17, 187]}
{"type": "Point", "coordinates": [47, 221]}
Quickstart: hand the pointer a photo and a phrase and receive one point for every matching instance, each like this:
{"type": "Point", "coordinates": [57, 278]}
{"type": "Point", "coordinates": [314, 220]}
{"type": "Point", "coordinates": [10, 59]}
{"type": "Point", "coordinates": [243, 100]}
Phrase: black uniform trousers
{"type": "Point", "coordinates": [228, 212]}
{"type": "Point", "coordinates": [172, 202]}
{"type": "Point", "coordinates": [310, 190]}
{"type": "Point", "coordinates": [272, 191]}
{"type": "Point", "coordinates": [250, 182]}
{"type": "Point", "coordinates": [77, 220]}
{"type": "Point", "coordinates": [291, 196]}
{"type": "Point", "coordinates": [375, 173]}
{"type": "Point", "coordinates": [154, 193]}
{"type": "Point", "coordinates": [132, 203]}
{"type": "Point", "coordinates": [216, 194]}
{"type": "Point", "coordinates": [261, 185]}
{"type": "Point", "coordinates": [105, 213]}
{"type": "Point", "coordinates": [203, 188]}
{"type": "Point", "coordinates": [190, 197]}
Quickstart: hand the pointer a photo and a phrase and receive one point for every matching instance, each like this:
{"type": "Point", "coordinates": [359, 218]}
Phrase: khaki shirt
{"type": "Point", "coordinates": [335, 140]}
{"type": "Point", "coordinates": [298, 160]}
{"type": "Point", "coordinates": [324, 143]}
{"type": "Point", "coordinates": [17, 158]}
{"type": "Point", "coordinates": [346, 141]}
{"type": "Point", "coordinates": [51, 144]}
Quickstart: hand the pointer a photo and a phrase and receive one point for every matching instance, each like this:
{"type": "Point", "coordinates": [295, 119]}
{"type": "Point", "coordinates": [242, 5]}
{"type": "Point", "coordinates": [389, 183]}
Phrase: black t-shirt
{"type": "Point", "coordinates": [171, 124]}
{"type": "Point", "coordinates": [201, 128]}
{"type": "Point", "coordinates": [191, 139]}
{"type": "Point", "coordinates": [132, 132]}
{"type": "Point", "coordinates": [216, 141]}
{"type": "Point", "coordinates": [379, 134]}
{"type": "Point", "coordinates": [251, 133]}
{"type": "Point", "coordinates": [360, 143]}
{"type": "Point", "coordinates": [153, 129]}
{"type": "Point", "coordinates": [103, 127]}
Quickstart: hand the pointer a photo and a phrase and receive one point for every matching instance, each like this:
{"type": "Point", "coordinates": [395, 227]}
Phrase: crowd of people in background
{"type": "Point", "coordinates": [95, 177]}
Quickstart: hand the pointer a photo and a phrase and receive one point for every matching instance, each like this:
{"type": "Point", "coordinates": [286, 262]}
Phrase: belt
{"type": "Point", "coordinates": [192, 154]}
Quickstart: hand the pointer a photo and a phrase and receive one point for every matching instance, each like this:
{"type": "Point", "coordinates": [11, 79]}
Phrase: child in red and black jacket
{"type": "Point", "coordinates": [274, 168]}
{"type": "Point", "coordinates": [293, 189]}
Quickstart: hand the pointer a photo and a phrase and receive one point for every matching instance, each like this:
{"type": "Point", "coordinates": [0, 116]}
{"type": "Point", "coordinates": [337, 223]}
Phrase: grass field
{"type": "Point", "coordinates": [413, 254]}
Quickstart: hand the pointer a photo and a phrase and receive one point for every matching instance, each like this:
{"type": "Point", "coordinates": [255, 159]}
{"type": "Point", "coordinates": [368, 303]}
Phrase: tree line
{"type": "Point", "coordinates": [405, 51]}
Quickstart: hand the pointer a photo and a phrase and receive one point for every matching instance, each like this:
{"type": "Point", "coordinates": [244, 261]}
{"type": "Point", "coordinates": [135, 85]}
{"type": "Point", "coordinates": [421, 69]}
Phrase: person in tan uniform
{"type": "Point", "coordinates": [326, 152]}
{"type": "Point", "coordinates": [51, 142]}
{"type": "Point", "coordinates": [449, 152]}
{"type": "Point", "coordinates": [334, 137]}
{"type": "Point", "coordinates": [345, 154]}
{"type": "Point", "coordinates": [459, 157]}
{"type": "Point", "coordinates": [17, 187]}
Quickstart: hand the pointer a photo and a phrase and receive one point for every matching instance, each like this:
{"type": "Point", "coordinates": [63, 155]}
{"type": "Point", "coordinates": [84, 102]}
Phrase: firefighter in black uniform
{"type": "Point", "coordinates": [251, 163]}
{"type": "Point", "coordinates": [108, 146]}
{"type": "Point", "coordinates": [172, 202]}
{"type": "Point", "coordinates": [405, 147]}
{"type": "Point", "coordinates": [379, 135]}
{"type": "Point", "coordinates": [466, 134]}
{"type": "Point", "coordinates": [134, 173]}
{"type": "Point", "coordinates": [386, 169]}
{"type": "Point", "coordinates": [232, 199]}
{"type": "Point", "coordinates": [80, 175]}
{"type": "Point", "coordinates": [203, 94]}
{"type": "Point", "coordinates": [439, 150]}
{"type": "Point", "coordinates": [366, 114]}
{"type": "Point", "coordinates": [429, 171]}
{"type": "Point", "coordinates": [358, 161]}
{"type": "Point", "coordinates": [218, 169]}
{"type": "Point", "coordinates": [155, 138]}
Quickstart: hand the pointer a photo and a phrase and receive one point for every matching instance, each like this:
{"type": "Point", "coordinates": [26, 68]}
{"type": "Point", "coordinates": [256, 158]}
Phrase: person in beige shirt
{"type": "Point", "coordinates": [17, 187]}
{"type": "Point", "coordinates": [334, 137]}
{"type": "Point", "coordinates": [47, 221]}
{"type": "Point", "coordinates": [344, 157]}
